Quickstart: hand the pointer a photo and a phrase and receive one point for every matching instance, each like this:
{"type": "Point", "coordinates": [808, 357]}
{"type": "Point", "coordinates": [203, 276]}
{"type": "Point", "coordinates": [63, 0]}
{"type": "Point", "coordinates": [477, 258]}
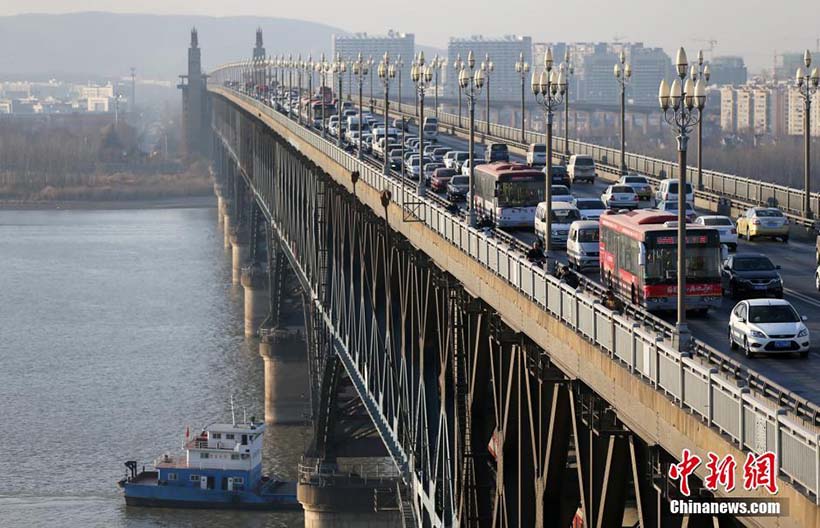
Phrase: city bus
{"type": "Point", "coordinates": [508, 193]}
{"type": "Point", "coordinates": [638, 260]}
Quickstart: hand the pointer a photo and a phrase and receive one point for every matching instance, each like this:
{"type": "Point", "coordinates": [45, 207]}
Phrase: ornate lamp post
{"type": "Point", "coordinates": [422, 76]}
{"type": "Point", "coordinates": [623, 72]}
{"type": "Point", "coordinates": [289, 66]}
{"type": "Point", "coordinates": [309, 66]}
{"type": "Point", "coordinates": [399, 66]}
{"type": "Point", "coordinates": [360, 71]}
{"type": "Point", "coordinates": [322, 68]}
{"type": "Point", "coordinates": [437, 64]}
{"type": "Point", "coordinates": [568, 72]}
{"type": "Point", "coordinates": [470, 83]}
{"type": "Point", "coordinates": [339, 69]}
{"type": "Point", "coordinates": [682, 105]}
{"type": "Point", "coordinates": [549, 89]}
{"type": "Point", "coordinates": [807, 87]}
{"type": "Point", "coordinates": [458, 65]}
{"type": "Point", "coordinates": [522, 68]}
{"type": "Point", "coordinates": [370, 63]}
{"type": "Point", "coordinates": [299, 65]}
{"type": "Point", "coordinates": [387, 72]}
{"type": "Point", "coordinates": [487, 66]}
{"type": "Point", "coordinates": [700, 71]}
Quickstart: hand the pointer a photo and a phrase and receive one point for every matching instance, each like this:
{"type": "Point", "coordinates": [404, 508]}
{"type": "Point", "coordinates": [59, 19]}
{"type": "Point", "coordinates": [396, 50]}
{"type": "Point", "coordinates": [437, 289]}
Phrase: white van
{"type": "Point", "coordinates": [668, 191]}
{"type": "Point", "coordinates": [582, 244]}
{"type": "Point", "coordinates": [430, 127]}
{"type": "Point", "coordinates": [581, 168]}
{"type": "Point", "coordinates": [563, 215]}
{"type": "Point", "coordinates": [537, 155]}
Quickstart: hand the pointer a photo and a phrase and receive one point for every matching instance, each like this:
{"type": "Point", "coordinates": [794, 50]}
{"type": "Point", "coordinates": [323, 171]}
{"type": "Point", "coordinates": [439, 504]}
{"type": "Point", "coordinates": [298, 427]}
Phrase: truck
{"type": "Point", "coordinates": [383, 139]}
{"type": "Point", "coordinates": [430, 127]}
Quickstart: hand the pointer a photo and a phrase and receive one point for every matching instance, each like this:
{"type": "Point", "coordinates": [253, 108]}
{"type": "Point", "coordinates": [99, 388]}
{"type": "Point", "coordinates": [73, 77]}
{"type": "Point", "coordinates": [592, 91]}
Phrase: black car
{"type": "Point", "coordinates": [751, 275]}
{"type": "Point", "coordinates": [560, 176]}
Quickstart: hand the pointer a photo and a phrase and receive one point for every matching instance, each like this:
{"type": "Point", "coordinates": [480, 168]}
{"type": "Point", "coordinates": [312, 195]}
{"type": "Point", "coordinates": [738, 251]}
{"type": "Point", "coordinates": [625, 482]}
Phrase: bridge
{"type": "Point", "coordinates": [502, 395]}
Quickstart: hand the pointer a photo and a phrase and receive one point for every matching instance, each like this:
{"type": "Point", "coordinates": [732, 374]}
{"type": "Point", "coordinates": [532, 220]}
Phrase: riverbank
{"type": "Point", "coordinates": [182, 202]}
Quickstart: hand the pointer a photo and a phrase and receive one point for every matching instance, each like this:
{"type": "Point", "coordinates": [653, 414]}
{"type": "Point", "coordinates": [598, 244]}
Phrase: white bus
{"type": "Point", "coordinates": [508, 193]}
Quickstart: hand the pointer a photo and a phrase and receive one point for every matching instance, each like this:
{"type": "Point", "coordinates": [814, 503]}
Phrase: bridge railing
{"type": "Point", "coordinates": [716, 184]}
{"type": "Point", "coordinates": [704, 381]}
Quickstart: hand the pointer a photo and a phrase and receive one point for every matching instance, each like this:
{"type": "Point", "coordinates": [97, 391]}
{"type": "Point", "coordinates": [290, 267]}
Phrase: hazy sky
{"type": "Point", "coordinates": [752, 28]}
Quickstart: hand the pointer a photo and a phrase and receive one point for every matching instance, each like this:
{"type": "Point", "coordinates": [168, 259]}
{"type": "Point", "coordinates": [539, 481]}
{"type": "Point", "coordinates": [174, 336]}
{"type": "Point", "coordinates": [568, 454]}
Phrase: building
{"type": "Point", "coordinates": [759, 109]}
{"type": "Point", "coordinates": [593, 68]}
{"type": "Point", "coordinates": [503, 52]}
{"type": "Point", "coordinates": [728, 70]}
{"type": "Point", "coordinates": [97, 104]}
{"type": "Point", "coordinates": [786, 64]}
{"type": "Point", "coordinates": [396, 45]}
{"type": "Point", "coordinates": [5, 106]}
{"type": "Point", "coordinates": [728, 110]}
{"type": "Point", "coordinates": [744, 111]}
{"type": "Point", "coordinates": [795, 113]}
{"type": "Point", "coordinates": [259, 49]}
{"type": "Point", "coordinates": [649, 67]}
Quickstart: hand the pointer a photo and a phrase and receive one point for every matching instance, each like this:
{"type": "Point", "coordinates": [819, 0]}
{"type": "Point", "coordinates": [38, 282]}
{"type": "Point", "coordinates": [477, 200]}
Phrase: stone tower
{"type": "Point", "coordinates": [194, 102]}
{"type": "Point", "coordinates": [259, 49]}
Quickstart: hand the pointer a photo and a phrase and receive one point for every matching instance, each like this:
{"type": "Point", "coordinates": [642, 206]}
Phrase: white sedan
{"type": "Point", "coordinates": [768, 325]}
{"type": "Point", "coordinates": [620, 197]}
{"type": "Point", "coordinates": [724, 224]}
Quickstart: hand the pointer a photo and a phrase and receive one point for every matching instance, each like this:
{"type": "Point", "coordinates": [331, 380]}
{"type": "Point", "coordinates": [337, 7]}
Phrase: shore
{"type": "Point", "coordinates": [182, 202]}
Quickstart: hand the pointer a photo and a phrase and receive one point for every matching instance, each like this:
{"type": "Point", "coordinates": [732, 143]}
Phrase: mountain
{"type": "Point", "coordinates": [80, 46]}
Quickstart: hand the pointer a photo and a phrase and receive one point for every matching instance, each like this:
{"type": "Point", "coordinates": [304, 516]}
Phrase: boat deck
{"type": "Point", "coordinates": [146, 478]}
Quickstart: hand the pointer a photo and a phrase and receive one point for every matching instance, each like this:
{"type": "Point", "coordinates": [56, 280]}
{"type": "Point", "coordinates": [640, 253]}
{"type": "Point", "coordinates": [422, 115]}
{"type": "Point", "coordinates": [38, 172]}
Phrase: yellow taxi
{"type": "Point", "coordinates": [763, 222]}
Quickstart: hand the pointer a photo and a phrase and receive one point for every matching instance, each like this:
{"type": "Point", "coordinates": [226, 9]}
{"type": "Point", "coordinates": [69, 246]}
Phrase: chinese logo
{"type": "Point", "coordinates": [759, 471]}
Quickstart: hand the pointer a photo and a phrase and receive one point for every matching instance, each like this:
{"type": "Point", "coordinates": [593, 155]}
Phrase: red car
{"type": "Point", "coordinates": [441, 177]}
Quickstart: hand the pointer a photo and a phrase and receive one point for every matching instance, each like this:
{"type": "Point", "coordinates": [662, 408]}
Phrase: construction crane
{"type": "Point", "coordinates": [711, 49]}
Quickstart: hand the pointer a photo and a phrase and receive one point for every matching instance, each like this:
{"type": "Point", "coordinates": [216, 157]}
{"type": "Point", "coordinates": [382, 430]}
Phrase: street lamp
{"type": "Point", "coordinates": [470, 84]}
{"type": "Point", "coordinates": [623, 72]}
{"type": "Point", "coordinates": [682, 105]}
{"type": "Point", "coordinates": [522, 68]}
{"type": "Point", "coordinates": [701, 71]}
{"type": "Point", "coordinates": [339, 69]}
{"type": "Point", "coordinates": [458, 65]}
{"type": "Point", "coordinates": [807, 87]}
{"type": "Point", "coordinates": [422, 76]}
{"type": "Point", "coordinates": [360, 71]}
{"type": "Point", "coordinates": [321, 68]}
{"type": "Point", "coordinates": [370, 63]}
{"type": "Point", "coordinates": [487, 67]}
{"type": "Point", "coordinates": [569, 72]}
{"type": "Point", "coordinates": [289, 66]}
{"type": "Point", "coordinates": [399, 66]}
{"type": "Point", "coordinates": [549, 89]}
{"type": "Point", "coordinates": [438, 63]}
{"type": "Point", "coordinates": [299, 65]}
{"type": "Point", "coordinates": [387, 72]}
{"type": "Point", "coordinates": [309, 66]}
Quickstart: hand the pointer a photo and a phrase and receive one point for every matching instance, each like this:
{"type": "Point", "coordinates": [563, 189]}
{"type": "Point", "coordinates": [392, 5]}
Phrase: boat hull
{"type": "Point", "coordinates": [153, 502]}
{"type": "Point", "coordinates": [274, 496]}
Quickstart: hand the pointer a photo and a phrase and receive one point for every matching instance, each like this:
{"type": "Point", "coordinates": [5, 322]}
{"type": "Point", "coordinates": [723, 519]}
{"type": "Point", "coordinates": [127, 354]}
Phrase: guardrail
{"type": "Point", "coordinates": [703, 381]}
{"type": "Point", "coordinates": [715, 184]}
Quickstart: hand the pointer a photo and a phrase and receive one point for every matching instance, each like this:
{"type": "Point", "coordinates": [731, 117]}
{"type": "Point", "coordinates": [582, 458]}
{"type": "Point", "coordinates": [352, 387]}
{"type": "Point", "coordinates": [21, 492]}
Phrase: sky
{"type": "Point", "coordinates": [751, 28]}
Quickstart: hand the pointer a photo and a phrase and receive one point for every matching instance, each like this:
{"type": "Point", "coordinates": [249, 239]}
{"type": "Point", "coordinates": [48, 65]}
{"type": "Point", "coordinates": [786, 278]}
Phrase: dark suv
{"type": "Point", "coordinates": [559, 175]}
{"type": "Point", "coordinates": [751, 275]}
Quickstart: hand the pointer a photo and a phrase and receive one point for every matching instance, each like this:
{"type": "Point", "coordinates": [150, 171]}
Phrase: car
{"type": "Point", "coordinates": [450, 158]}
{"type": "Point", "coordinates": [724, 224]}
{"type": "Point", "coordinates": [620, 197]}
{"type": "Point", "coordinates": [672, 207]}
{"type": "Point", "coordinates": [763, 222]}
{"type": "Point", "coordinates": [581, 168]}
{"type": "Point", "coordinates": [751, 274]}
{"type": "Point", "coordinates": [439, 152]}
{"type": "Point", "coordinates": [768, 325]}
{"type": "Point", "coordinates": [561, 193]}
{"type": "Point", "coordinates": [537, 155]}
{"type": "Point", "coordinates": [639, 183]}
{"type": "Point", "coordinates": [496, 152]}
{"type": "Point", "coordinates": [559, 175]}
{"type": "Point", "coordinates": [590, 208]}
{"type": "Point", "coordinates": [465, 167]}
{"type": "Point", "coordinates": [429, 169]}
{"type": "Point", "coordinates": [668, 191]}
{"type": "Point", "coordinates": [441, 177]}
{"type": "Point", "coordinates": [582, 244]}
{"type": "Point", "coordinates": [458, 187]}
{"type": "Point", "coordinates": [399, 124]}
{"type": "Point", "coordinates": [563, 214]}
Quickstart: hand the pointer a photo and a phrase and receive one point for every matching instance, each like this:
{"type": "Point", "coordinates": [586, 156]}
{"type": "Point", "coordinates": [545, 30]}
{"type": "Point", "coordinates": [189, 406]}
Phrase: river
{"type": "Point", "coordinates": [117, 330]}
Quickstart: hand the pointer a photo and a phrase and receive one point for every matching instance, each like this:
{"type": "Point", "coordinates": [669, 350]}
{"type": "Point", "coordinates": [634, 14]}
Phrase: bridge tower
{"type": "Point", "coordinates": [195, 109]}
{"type": "Point", "coordinates": [259, 49]}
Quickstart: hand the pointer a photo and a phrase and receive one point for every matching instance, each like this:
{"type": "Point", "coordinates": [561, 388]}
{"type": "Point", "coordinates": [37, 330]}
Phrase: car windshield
{"type": "Point", "coordinates": [520, 194]}
{"type": "Point", "coordinates": [589, 204]}
{"type": "Point", "coordinates": [778, 313]}
{"type": "Point", "coordinates": [717, 221]}
{"type": "Point", "coordinates": [460, 180]}
{"type": "Point", "coordinates": [673, 188]}
{"type": "Point", "coordinates": [539, 149]}
{"type": "Point", "coordinates": [560, 190]}
{"type": "Point", "coordinates": [588, 235]}
{"type": "Point", "coordinates": [565, 216]}
{"type": "Point", "coordinates": [701, 263]}
{"type": "Point", "coordinates": [673, 206]}
{"type": "Point", "coordinates": [753, 264]}
{"type": "Point", "coordinates": [768, 213]}
{"type": "Point", "coordinates": [584, 162]}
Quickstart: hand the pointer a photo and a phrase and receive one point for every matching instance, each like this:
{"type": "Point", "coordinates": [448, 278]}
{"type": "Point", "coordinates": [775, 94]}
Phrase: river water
{"type": "Point", "coordinates": [117, 330]}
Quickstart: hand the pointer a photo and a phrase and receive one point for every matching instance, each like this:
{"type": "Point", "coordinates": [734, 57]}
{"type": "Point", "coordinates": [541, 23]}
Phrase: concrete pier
{"type": "Point", "coordinates": [257, 295]}
{"type": "Point", "coordinates": [226, 224]}
{"type": "Point", "coordinates": [240, 251]}
{"type": "Point", "coordinates": [286, 377]}
{"type": "Point", "coordinates": [220, 209]}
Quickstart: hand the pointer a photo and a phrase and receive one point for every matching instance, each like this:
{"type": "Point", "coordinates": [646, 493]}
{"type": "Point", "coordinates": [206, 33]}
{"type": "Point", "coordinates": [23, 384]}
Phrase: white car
{"type": "Point", "coordinates": [641, 185]}
{"type": "Point", "coordinates": [590, 208]}
{"type": "Point", "coordinates": [582, 244]}
{"type": "Point", "coordinates": [768, 325]}
{"type": "Point", "coordinates": [668, 191]}
{"type": "Point", "coordinates": [724, 224]}
{"type": "Point", "coordinates": [563, 215]}
{"type": "Point", "coordinates": [560, 193]}
{"type": "Point", "coordinates": [465, 167]}
{"type": "Point", "coordinates": [620, 197]}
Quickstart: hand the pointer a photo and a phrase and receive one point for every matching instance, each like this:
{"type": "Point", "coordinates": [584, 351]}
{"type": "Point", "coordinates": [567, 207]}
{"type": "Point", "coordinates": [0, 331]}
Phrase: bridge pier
{"type": "Point", "coordinates": [286, 377]}
{"type": "Point", "coordinates": [220, 203]}
{"type": "Point", "coordinates": [333, 498]}
{"type": "Point", "coordinates": [255, 283]}
{"type": "Point", "coordinates": [240, 251]}
{"type": "Point", "coordinates": [226, 224]}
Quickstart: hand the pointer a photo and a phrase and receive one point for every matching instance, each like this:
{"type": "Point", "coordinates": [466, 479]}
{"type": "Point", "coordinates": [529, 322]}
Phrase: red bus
{"type": "Point", "coordinates": [639, 255]}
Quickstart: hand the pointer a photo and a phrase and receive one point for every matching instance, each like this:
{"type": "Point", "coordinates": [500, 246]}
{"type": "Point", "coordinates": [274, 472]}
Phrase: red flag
{"type": "Point", "coordinates": [187, 432]}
